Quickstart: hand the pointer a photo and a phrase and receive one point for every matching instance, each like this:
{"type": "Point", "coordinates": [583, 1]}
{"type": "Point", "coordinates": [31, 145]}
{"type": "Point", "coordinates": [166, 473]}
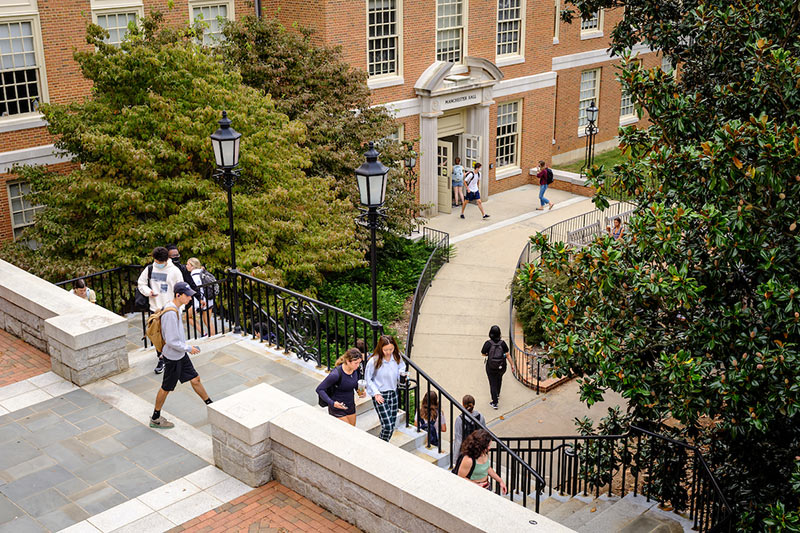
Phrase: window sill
{"type": "Point", "coordinates": [388, 81]}
{"type": "Point", "coordinates": [22, 123]}
{"type": "Point", "coordinates": [627, 120]}
{"type": "Point", "coordinates": [582, 131]}
{"type": "Point", "coordinates": [505, 61]}
{"type": "Point", "coordinates": [506, 172]}
{"type": "Point", "coordinates": [591, 35]}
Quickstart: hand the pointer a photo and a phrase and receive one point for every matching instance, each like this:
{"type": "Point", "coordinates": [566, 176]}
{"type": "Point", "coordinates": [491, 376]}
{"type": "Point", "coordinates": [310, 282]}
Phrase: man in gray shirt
{"type": "Point", "coordinates": [177, 365]}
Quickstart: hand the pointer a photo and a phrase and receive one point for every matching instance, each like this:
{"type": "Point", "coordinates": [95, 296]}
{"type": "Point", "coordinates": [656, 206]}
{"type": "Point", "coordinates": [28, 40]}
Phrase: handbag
{"type": "Point", "coordinates": [140, 301]}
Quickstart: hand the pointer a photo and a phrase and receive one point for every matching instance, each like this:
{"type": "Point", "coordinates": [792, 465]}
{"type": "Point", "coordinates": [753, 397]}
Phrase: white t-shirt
{"type": "Point", "coordinates": [473, 181]}
{"type": "Point", "coordinates": [198, 280]}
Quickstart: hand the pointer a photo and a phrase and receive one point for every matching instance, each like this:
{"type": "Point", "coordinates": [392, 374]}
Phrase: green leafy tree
{"type": "Point", "coordinates": [315, 85]}
{"type": "Point", "coordinates": [695, 313]}
{"type": "Point", "coordinates": [146, 163]}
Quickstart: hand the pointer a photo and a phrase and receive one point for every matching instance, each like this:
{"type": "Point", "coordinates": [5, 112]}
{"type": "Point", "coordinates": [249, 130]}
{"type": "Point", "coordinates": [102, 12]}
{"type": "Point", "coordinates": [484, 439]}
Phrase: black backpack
{"type": "Point", "coordinates": [496, 359]}
{"type": "Point", "coordinates": [458, 465]}
{"type": "Point", "coordinates": [467, 427]}
{"type": "Point", "coordinates": [549, 176]}
{"type": "Point", "coordinates": [207, 278]}
{"type": "Point", "coordinates": [330, 390]}
{"type": "Point", "coordinates": [140, 301]}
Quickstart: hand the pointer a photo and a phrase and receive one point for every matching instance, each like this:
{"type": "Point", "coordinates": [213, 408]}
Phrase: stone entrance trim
{"type": "Point", "coordinates": [262, 434]}
{"type": "Point", "coordinates": [85, 341]}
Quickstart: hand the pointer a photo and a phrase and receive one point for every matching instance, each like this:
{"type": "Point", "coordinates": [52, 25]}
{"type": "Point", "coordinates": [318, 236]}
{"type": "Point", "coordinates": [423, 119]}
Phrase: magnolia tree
{"type": "Point", "coordinates": [146, 163]}
{"type": "Point", "coordinates": [694, 315]}
{"type": "Point", "coordinates": [316, 86]}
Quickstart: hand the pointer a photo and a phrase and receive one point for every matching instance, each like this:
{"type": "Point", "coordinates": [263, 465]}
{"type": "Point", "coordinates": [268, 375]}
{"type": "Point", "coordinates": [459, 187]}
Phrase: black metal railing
{"type": "Point", "coordinates": [440, 242]}
{"type": "Point", "coordinates": [634, 463]}
{"type": "Point", "coordinates": [523, 482]}
{"type": "Point", "coordinates": [528, 366]}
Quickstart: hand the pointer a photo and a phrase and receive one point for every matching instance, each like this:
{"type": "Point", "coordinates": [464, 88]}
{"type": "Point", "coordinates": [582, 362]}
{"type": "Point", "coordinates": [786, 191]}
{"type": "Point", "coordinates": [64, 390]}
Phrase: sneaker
{"type": "Point", "coordinates": [160, 366]}
{"type": "Point", "coordinates": [550, 206]}
{"type": "Point", "coordinates": [494, 406]}
{"type": "Point", "coordinates": [485, 216]}
{"type": "Point", "coordinates": [462, 216]}
{"type": "Point", "coordinates": [163, 423]}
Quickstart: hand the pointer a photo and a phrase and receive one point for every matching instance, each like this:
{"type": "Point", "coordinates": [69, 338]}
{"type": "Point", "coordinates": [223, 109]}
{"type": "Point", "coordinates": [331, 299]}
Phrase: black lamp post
{"type": "Point", "coordinates": [226, 152]}
{"type": "Point", "coordinates": [371, 177]}
{"type": "Point", "coordinates": [591, 131]}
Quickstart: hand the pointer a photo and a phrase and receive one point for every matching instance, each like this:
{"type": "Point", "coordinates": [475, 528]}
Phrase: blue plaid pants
{"type": "Point", "coordinates": [387, 413]}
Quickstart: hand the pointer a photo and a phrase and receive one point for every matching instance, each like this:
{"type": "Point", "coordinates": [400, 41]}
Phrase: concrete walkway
{"type": "Point", "coordinates": [470, 294]}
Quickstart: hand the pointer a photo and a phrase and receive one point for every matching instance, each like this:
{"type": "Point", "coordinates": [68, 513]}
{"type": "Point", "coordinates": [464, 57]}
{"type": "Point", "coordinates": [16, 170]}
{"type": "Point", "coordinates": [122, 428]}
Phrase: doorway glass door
{"type": "Point", "coordinates": [444, 168]}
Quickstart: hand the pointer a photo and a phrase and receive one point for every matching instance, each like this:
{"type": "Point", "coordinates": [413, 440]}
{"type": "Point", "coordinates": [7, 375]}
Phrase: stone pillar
{"type": "Point", "coordinates": [428, 181]}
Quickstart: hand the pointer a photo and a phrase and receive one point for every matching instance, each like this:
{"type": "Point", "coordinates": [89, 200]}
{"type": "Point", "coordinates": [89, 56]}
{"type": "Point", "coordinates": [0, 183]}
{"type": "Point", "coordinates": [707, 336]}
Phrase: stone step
{"type": "Point", "coordinates": [648, 523]}
{"type": "Point", "coordinates": [618, 515]}
{"type": "Point", "coordinates": [566, 509]}
{"type": "Point", "coordinates": [370, 422]}
{"type": "Point", "coordinates": [593, 508]}
{"type": "Point", "coordinates": [441, 460]}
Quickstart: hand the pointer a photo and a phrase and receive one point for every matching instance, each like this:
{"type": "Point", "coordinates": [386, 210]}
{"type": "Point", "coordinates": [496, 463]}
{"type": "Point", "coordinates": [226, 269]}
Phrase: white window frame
{"type": "Point", "coordinates": [138, 9]}
{"type": "Point", "coordinates": [32, 118]}
{"type": "Point", "coordinates": [33, 208]}
{"type": "Point", "coordinates": [392, 78]}
{"type": "Point", "coordinates": [594, 30]}
{"type": "Point", "coordinates": [509, 169]}
{"type": "Point", "coordinates": [229, 5]}
{"type": "Point", "coordinates": [513, 58]}
{"type": "Point", "coordinates": [666, 65]}
{"type": "Point", "coordinates": [464, 31]}
{"type": "Point", "coordinates": [626, 104]}
{"type": "Point", "coordinates": [583, 103]}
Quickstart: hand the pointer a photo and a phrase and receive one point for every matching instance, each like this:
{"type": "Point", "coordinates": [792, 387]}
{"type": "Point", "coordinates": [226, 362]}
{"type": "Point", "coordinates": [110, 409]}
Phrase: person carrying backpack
{"type": "Point", "coordinates": [177, 364]}
{"type": "Point", "coordinates": [496, 352]}
{"type": "Point", "coordinates": [545, 176]}
{"type": "Point", "coordinates": [463, 426]}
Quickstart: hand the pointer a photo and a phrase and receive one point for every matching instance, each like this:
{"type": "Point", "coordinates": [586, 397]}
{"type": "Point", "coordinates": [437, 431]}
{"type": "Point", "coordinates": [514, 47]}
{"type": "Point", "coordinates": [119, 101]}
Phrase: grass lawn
{"type": "Point", "coordinates": [609, 159]}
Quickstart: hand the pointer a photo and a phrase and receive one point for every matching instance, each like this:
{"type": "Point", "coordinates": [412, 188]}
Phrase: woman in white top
{"type": "Point", "coordinates": [383, 376]}
{"type": "Point", "coordinates": [195, 267]}
{"type": "Point", "coordinates": [473, 182]}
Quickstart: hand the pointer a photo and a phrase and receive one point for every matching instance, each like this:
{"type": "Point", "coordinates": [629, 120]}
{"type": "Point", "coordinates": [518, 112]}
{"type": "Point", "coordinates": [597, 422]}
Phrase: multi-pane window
{"type": "Point", "coordinates": [22, 211]}
{"type": "Point", "coordinates": [592, 23]}
{"type": "Point", "coordinates": [509, 26]}
{"type": "Point", "coordinates": [589, 83]}
{"type": "Point", "coordinates": [383, 37]}
{"type": "Point", "coordinates": [666, 65]}
{"type": "Point", "coordinates": [507, 134]}
{"type": "Point", "coordinates": [19, 72]}
{"type": "Point", "coordinates": [449, 30]}
{"type": "Point", "coordinates": [117, 25]}
{"type": "Point", "coordinates": [212, 17]}
{"type": "Point", "coordinates": [626, 105]}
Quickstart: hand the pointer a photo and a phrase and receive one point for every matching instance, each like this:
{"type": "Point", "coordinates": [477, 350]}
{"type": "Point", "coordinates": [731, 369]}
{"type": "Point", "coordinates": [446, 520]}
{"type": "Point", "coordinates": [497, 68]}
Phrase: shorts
{"type": "Point", "coordinates": [181, 370]}
{"type": "Point", "coordinates": [473, 196]}
{"type": "Point", "coordinates": [458, 183]}
{"type": "Point", "coordinates": [339, 413]}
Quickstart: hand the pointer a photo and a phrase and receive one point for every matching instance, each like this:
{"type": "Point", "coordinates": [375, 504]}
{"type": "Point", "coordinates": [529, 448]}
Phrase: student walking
{"type": "Point", "coordinates": [458, 183]}
{"type": "Point", "coordinates": [79, 288]}
{"type": "Point", "coordinates": [383, 376]}
{"type": "Point", "coordinates": [496, 352]}
{"type": "Point", "coordinates": [545, 176]}
{"type": "Point", "coordinates": [205, 306]}
{"type": "Point", "coordinates": [429, 418]}
{"type": "Point", "coordinates": [473, 183]}
{"type": "Point", "coordinates": [463, 426]}
{"type": "Point", "coordinates": [473, 462]}
{"type": "Point", "coordinates": [339, 386]}
{"type": "Point", "coordinates": [178, 366]}
{"type": "Point", "coordinates": [157, 282]}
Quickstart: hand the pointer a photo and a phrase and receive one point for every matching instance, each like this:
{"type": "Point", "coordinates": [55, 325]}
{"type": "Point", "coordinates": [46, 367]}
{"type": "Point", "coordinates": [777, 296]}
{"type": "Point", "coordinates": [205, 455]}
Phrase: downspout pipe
{"type": "Point", "coordinates": [258, 8]}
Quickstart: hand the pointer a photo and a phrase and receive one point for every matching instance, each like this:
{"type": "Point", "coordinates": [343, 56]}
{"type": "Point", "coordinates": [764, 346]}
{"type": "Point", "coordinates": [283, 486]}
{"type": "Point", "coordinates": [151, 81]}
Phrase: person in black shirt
{"type": "Point", "coordinates": [338, 388]}
{"type": "Point", "coordinates": [496, 352]}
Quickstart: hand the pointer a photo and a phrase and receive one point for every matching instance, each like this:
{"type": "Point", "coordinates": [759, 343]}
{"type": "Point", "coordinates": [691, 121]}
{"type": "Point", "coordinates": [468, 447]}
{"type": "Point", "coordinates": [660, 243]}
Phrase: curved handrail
{"type": "Point", "coordinates": [557, 231]}
{"type": "Point", "coordinates": [441, 244]}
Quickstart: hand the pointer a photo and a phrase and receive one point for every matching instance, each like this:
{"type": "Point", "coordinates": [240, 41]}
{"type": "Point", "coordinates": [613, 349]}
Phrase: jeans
{"type": "Point", "coordinates": [542, 200]}
{"type": "Point", "coordinates": [495, 382]}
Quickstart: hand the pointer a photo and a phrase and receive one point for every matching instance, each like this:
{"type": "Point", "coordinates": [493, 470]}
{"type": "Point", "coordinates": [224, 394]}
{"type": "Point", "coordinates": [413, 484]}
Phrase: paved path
{"type": "Point", "coordinates": [19, 360]}
{"type": "Point", "coordinates": [470, 294]}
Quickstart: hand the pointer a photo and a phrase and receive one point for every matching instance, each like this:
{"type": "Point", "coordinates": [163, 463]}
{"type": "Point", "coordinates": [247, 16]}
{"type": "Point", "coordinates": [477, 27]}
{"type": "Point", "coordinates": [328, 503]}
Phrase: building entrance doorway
{"type": "Point", "coordinates": [444, 170]}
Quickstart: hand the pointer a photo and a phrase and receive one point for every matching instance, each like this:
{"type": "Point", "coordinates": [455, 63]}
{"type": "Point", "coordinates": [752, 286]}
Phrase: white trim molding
{"type": "Point", "coordinates": [38, 155]}
{"type": "Point", "coordinates": [524, 84]}
{"type": "Point", "coordinates": [12, 8]}
{"type": "Point", "coordinates": [592, 57]}
{"type": "Point", "coordinates": [403, 108]}
{"type": "Point", "coordinates": [628, 120]}
{"type": "Point", "coordinates": [379, 82]}
{"type": "Point", "coordinates": [24, 122]}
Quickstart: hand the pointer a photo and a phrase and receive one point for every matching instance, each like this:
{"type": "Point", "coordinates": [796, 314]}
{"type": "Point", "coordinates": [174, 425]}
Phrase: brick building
{"type": "Point", "coordinates": [503, 82]}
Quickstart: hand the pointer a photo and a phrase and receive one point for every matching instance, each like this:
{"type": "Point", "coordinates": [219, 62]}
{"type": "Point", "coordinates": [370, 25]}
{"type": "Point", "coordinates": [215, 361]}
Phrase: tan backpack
{"type": "Point", "coordinates": [153, 330]}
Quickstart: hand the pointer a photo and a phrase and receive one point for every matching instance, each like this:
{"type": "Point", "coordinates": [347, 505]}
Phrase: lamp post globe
{"type": "Point", "coordinates": [226, 144]}
{"type": "Point", "coordinates": [371, 178]}
{"type": "Point", "coordinates": [591, 113]}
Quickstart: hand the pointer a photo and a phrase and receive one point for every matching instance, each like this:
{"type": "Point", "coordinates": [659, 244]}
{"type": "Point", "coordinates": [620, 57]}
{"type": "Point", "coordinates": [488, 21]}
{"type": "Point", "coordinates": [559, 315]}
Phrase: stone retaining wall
{"type": "Point", "coordinates": [262, 433]}
{"type": "Point", "coordinates": [85, 341]}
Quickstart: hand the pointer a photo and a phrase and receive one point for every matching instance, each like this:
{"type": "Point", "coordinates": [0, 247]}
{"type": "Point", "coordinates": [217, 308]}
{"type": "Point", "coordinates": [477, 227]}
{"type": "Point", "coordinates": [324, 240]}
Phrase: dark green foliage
{"type": "Point", "coordinates": [695, 314]}
{"type": "Point", "coordinates": [529, 312]}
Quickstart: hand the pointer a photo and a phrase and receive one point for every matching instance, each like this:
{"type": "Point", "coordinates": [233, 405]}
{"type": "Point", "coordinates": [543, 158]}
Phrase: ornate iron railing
{"type": "Point", "coordinates": [440, 242]}
{"type": "Point", "coordinates": [529, 367]}
{"type": "Point", "coordinates": [638, 462]}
